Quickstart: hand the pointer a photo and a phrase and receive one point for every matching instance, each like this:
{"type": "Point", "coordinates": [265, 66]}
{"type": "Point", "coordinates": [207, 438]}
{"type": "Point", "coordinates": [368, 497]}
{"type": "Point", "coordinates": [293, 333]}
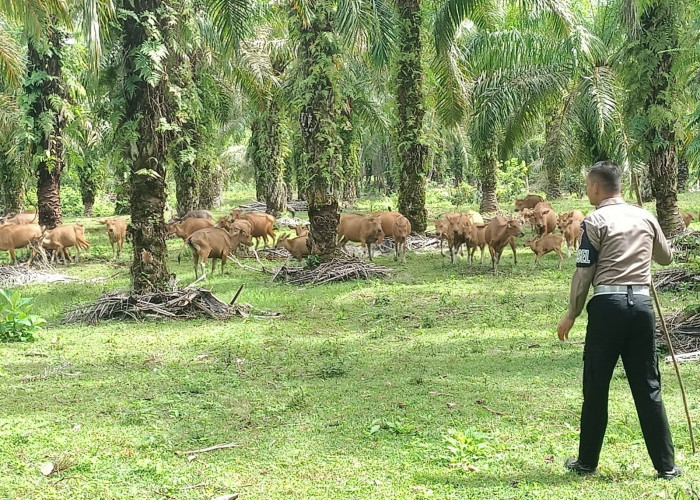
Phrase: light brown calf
{"type": "Point", "coordinates": [296, 246]}
{"type": "Point", "coordinates": [545, 218]}
{"type": "Point", "coordinates": [116, 230]}
{"type": "Point", "coordinates": [499, 233]}
{"type": "Point", "coordinates": [212, 242]}
{"type": "Point", "coordinates": [364, 229]}
{"type": "Point", "coordinates": [687, 218]}
{"type": "Point", "coordinates": [14, 236]}
{"type": "Point", "coordinates": [185, 228]}
{"type": "Point", "coordinates": [61, 238]}
{"type": "Point", "coordinates": [401, 230]}
{"type": "Point", "coordinates": [544, 245]}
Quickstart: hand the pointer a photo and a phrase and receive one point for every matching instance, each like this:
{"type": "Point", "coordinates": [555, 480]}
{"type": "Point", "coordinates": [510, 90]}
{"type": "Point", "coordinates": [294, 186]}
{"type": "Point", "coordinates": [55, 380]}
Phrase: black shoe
{"type": "Point", "coordinates": [575, 466]}
{"type": "Point", "coordinates": [670, 474]}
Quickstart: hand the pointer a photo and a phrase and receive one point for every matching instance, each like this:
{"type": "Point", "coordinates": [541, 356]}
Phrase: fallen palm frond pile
{"type": "Point", "coordinates": [684, 329]}
{"type": "Point", "coordinates": [686, 246]}
{"type": "Point", "coordinates": [182, 303]}
{"type": "Point", "coordinates": [674, 279]}
{"type": "Point", "coordinates": [340, 269]}
{"type": "Point", "coordinates": [19, 275]}
{"type": "Point", "coordinates": [292, 222]}
{"type": "Point", "coordinates": [414, 243]}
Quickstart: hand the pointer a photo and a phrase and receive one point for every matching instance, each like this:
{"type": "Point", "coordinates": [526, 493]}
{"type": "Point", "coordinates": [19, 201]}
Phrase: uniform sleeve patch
{"type": "Point", "coordinates": [587, 255]}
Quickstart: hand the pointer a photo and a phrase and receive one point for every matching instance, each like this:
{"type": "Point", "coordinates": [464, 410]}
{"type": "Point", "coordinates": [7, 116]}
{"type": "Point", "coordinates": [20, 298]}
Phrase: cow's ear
{"type": "Point", "coordinates": [545, 212]}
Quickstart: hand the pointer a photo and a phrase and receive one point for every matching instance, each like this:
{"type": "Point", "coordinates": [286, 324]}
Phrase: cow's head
{"type": "Point", "coordinates": [514, 227]}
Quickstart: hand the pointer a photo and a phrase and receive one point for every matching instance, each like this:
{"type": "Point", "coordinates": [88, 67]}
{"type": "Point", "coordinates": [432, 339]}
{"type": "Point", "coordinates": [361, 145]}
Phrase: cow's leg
{"type": "Point", "coordinates": [369, 250]}
{"type": "Point", "coordinates": [13, 257]}
{"type": "Point", "coordinates": [511, 241]}
{"type": "Point", "coordinates": [559, 253]}
{"type": "Point", "coordinates": [441, 251]}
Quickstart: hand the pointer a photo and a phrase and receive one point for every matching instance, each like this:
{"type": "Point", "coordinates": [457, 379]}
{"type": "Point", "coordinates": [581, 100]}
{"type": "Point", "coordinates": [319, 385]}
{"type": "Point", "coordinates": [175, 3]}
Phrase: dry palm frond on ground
{"type": "Point", "coordinates": [340, 269]}
{"type": "Point", "coordinates": [183, 303]}
{"type": "Point", "coordinates": [20, 275]}
{"type": "Point", "coordinates": [673, 279]}
{"type": "Point", "coordinates": [684, 329]}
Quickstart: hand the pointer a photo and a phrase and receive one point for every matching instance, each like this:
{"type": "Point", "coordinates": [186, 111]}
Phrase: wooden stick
{"type": "Point", "coordinates": [233, 300]}
{"type": "Point", "coordinates": [211, 448]}
{"type": "Point", "coordinates": [664, 329]}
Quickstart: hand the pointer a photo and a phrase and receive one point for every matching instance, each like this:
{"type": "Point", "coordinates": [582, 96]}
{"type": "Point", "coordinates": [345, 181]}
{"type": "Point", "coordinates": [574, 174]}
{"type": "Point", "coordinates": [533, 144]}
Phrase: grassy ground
{"type": "Point", "coordinates": [440, 382]}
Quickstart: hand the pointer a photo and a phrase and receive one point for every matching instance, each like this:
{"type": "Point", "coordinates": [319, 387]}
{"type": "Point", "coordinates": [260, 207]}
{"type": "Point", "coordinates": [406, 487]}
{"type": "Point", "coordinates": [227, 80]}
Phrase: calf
{"type": "Point", "coordinates": [244, 226]}
{"type": "Point", "coordinates": [20, 219]}
{"type": "Point", "coordinates": [477, 239]}
{"type": "Point", "coordinates": [301, 230]}
{"type": "Point", "coordinates": [528, 218]}
{"type": "Point", "coordinates": [457, 234]}
{"type": "Point", "coordinates": [572, 236]}
{"type": "Point", "coordinates": [364, 229]}
{"type": "Point", "coordinates": [530, 201]}
{"type": "Point", "coordinates": [499, 233]}
{"type": "Point", "coordinates": [544, 245]}
{"type": "Point", "coordinates": [61, 238]}
{"type": "Point", "coordinates": [14, 236]}
{"type": "Point", "coordinates": [262, 225]}
{"type": "Point", "coordinates": [212, 242]}
{"type": "Point", "coordinates": [545, 218]}
{"type": "Point", "coordinates": [116, 230]}
{"type": "Point", "coordinates": [297, 247]}
{"type": "Point", "coordinates": [687, 218]}
{"type": "Point", "coordinates": [401, 230]}
{"type": "Point", "coordinates": [566, 218]}
{"type": "Point", "coordinates": [441, 228]}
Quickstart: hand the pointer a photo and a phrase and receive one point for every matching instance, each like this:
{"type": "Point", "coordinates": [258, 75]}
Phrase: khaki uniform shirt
{"type": "Point", "coordinates": [618, 244]}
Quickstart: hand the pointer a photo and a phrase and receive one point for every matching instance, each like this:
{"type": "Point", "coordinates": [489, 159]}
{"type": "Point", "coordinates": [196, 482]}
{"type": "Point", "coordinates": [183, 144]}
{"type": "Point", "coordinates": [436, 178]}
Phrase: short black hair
{"type": "Point", "coordinates": [608, 174]}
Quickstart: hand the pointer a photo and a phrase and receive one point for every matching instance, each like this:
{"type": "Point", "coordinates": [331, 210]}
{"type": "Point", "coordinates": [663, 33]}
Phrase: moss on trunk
{"type": "Point", "coordinates": [411, 152]}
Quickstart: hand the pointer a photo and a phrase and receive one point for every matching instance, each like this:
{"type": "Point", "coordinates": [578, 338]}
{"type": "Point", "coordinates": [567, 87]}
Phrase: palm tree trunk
{"type": "Point", "coordinates": [552, 158]}
{"type": "Point", "coordinates": [48, 151]}
{"type": "Point", "coordinates": [318, 118]}
{"type": "Point", "coordinates": [411, 152]}
{"type": "Point", "coordinates": [658, 23]}
{"type": "Point", "coordinates": [349, 153]}
{"type": "Point", "coordinates": [146, 106]}
{"type": "Point", "coordinates": [211, 186]}
{"type": "Point", "coordinates": [488, 177]}
{"type": "Point", "coordinates": [272, 161]}
{"type": "Point", "coordinates": [11, 185]}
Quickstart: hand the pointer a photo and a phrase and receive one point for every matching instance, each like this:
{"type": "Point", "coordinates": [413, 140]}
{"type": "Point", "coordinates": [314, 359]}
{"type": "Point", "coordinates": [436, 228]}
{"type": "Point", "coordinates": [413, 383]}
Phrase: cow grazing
{"type": "Point", "coordinates": [544, 245]}
{"type": "Point", "coordinates": [14, 236]}
{"type": "Point", "coordinates": [530, 201]}
{"type": "Point", "coordinates": [61, 238]}
{"type": "Point", "coordinates": [401, 230]}
{"type": "Point", "coordinates": [499, 233]}
{"type": "Point", "coordinates": [262, 225]}
{"type": "Point", "coordinates": [364, 229]}
{"type": "Point", "coordinates": [185, 228]}
{"type": "Point", "coordinates": [297, 247]}
{"type": "Point", "coordinates": [214, 243]}
{"type": "Point", "coordinates": [687, 218]}
{"type": "Point", "coordinates": [545, 218]}
{"type": "Point", "coordinates": [116, 230]}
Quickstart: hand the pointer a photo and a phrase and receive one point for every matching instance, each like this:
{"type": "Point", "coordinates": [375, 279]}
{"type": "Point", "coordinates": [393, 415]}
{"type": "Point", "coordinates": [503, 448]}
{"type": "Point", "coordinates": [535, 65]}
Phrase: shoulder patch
{"type": "Point", "coordinates": [586, 255]}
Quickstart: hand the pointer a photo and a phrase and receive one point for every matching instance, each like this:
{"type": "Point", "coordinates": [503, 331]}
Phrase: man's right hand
{"type": "Point", "coordinates": [564, 327]}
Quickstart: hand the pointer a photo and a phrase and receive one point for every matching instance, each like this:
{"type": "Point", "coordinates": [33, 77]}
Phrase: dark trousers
{"type": "Point", "coordinates": [618, 329]}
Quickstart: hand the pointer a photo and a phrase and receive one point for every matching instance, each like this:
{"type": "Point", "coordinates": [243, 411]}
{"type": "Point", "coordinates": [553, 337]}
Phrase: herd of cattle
{"type": "Point", "coordinates": [218, 240]}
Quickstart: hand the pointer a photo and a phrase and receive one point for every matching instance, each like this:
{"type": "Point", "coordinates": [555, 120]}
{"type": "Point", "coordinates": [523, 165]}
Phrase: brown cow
{"type": "Point", "coordinates": [572, 235]}
{"type": "Point", "coordinates": [242, 225]}
{"type": "Point", "coordinates": [544, 245]}
{"type": "Point", "coordinates": [401, 230]}
{"type": "Point", "coordinates": [499, 233]}
{"type": "Point", "coordinates": [61, 238]}
{"type": "Point", "coordinates": [185, 228]}
{"type": "Point", "coordinates": [566, 218]}
{"type": "Point", "coordinates": [364, 229]}
{"type": "Point", "coordinates": [530, 201]}
{"type": "Point", "coordinates": [197, 214]}
{"type": "Point", "coordinates": [296, 247]}
{"type": "Point", "coordinates": [545, 218]}
{"type": "Point", "coordinates": [441, 228]}
{"type": "Point", "coordinates": [528, 218]}
{"type": "Point", "coordinates": [14, 236]}
{"type": "Point", "coordinates": [687, 218]}
{"type": "Point", "coordinates": [116, 230]}
{"type": "Point", "coordinates": [387, 221]}
{"type": "Point", "coordinates": [212, 242]}
{"type": "Point", "coordinates": [21, 218]}
{"type": "Point", "coordinates": [301, 230]}
{"type": "Point", "coordinates": [457, 234]}
{"type": "Point", "coordinates": [262, 225]}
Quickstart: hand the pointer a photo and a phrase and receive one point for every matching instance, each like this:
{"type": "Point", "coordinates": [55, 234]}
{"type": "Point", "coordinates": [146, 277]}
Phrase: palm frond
{"type": "Point", "coordinates": [11, 57]}
{"type": "Point", "coordinates": [36, 14]}
{"type": "Point", "coordinates": [451, 14]}
{"type": "Point", "coordinates": [95, 15]}
{"type": "Point", "coordinates": [230, 17]}
{"type": "Point", "coordinates": [452, 89]}
{"type": "Point", "coordinates": [557, 12]}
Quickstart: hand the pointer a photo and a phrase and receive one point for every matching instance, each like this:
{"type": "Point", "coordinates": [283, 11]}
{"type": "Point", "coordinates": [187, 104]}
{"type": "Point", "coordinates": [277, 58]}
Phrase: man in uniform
{"type": "Point", "coordinates": [618, 244]}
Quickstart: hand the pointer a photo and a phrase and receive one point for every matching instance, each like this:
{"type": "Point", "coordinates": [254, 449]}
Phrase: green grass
{"type": "Point", "coordinates": [350, 394]}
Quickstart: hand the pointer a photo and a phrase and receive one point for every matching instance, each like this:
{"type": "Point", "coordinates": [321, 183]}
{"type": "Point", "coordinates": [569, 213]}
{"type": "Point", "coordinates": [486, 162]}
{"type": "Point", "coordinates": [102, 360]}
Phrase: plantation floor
{"type": "Point", "coordinates": [353, 393]}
